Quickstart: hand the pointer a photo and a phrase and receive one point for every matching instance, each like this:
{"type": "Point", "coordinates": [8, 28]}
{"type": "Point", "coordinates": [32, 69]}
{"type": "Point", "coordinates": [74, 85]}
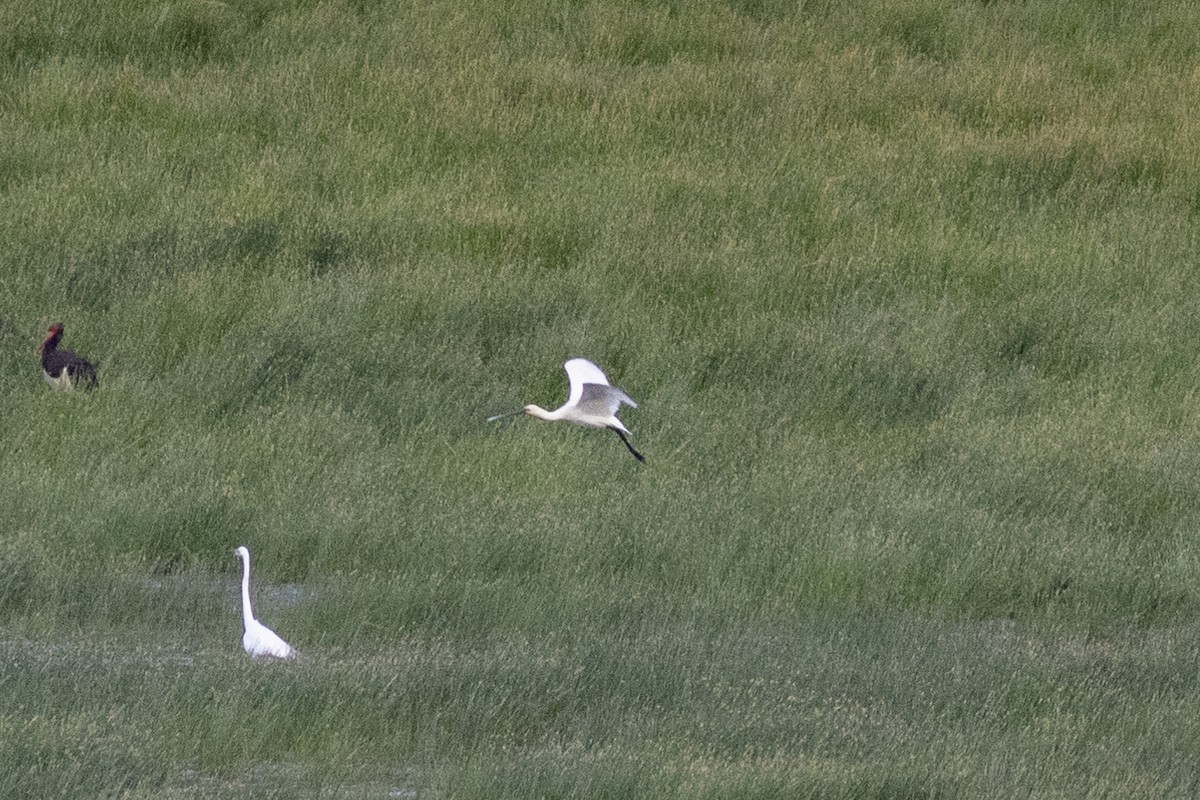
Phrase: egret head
{"type": "Point", "coordinates": [241, 552]}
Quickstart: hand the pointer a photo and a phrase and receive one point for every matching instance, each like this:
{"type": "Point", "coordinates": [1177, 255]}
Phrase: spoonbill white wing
{"type": "Point", "coordinates": [601, 400]}
{"type": "Point", "coordinates": [580, 371]}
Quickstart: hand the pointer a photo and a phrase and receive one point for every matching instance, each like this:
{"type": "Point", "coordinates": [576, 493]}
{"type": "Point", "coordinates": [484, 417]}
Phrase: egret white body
{"type": "Point", "coordinates": [592, 402]}
{"type": "Point", "coordinates": [257, 639]}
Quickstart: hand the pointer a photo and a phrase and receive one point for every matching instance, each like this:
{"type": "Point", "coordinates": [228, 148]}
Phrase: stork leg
{"type": "Point", "coordinates": [636, 454]}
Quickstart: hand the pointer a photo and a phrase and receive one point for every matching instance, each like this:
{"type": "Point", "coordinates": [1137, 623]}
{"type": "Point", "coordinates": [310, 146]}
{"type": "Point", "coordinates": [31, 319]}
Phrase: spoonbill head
{"type": "Point", "coordinates": [257, 639]}
{"type": "Point", "coordinates": [591, 402]}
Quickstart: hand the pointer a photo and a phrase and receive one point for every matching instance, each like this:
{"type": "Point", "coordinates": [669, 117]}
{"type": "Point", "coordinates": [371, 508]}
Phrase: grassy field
{"type": "Point", "coordinates": [905, 292]}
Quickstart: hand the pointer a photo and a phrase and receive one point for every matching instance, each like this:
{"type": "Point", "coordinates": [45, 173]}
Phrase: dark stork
{"type": "Point", "coordinates": [62, 368]}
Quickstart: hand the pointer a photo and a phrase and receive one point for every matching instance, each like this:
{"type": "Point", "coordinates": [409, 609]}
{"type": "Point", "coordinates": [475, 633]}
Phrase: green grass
{"type": "Point", "coordinates": [904, 292]}
{"type": "Point", "coordinates": [676, 705]}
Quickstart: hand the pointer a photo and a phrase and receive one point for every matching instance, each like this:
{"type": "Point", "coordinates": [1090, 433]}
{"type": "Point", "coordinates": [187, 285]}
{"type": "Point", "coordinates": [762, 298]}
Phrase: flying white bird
{"type": "Point", "coordinates": [592, 402]}
{"type": "Point", "coordinates": [258, 639]}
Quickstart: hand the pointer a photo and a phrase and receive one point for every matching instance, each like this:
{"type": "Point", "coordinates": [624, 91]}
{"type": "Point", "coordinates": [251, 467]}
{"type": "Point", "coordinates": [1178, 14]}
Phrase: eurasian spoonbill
{"type": "Point", "coordinates": [592, 402]}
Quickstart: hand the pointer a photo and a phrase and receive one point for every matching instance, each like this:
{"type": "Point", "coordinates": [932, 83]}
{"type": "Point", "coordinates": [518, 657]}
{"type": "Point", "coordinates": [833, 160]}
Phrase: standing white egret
{"type": "Point", "coordinates": [258, 639]}
{"type": "Point", "coordinates": [592, 402]}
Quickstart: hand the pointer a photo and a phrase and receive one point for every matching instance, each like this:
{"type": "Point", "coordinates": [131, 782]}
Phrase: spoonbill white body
{"type": "Point", "coordinates": [257, 640]}
{"type": "Point", "coordinates": [592, 402]}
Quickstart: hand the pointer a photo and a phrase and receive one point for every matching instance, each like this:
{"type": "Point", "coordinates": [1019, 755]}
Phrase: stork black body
{"type": "Point", "coordinates": [63, 368]}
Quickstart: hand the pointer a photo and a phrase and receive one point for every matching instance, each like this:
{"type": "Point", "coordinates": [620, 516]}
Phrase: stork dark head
{"type": "Point", "coordinates": [53, 336]}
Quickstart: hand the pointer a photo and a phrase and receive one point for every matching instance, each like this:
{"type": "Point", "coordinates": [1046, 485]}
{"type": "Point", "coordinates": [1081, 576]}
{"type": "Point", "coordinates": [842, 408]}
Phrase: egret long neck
{"type": "Point", "coordinates": [247, 613]}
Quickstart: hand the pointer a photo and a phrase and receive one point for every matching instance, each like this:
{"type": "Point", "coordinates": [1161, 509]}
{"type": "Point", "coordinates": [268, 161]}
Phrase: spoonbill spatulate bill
{"type": "Point", "coordinates": [592, 402]}
{"type": "Point", "coordinates": [257, 639]}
